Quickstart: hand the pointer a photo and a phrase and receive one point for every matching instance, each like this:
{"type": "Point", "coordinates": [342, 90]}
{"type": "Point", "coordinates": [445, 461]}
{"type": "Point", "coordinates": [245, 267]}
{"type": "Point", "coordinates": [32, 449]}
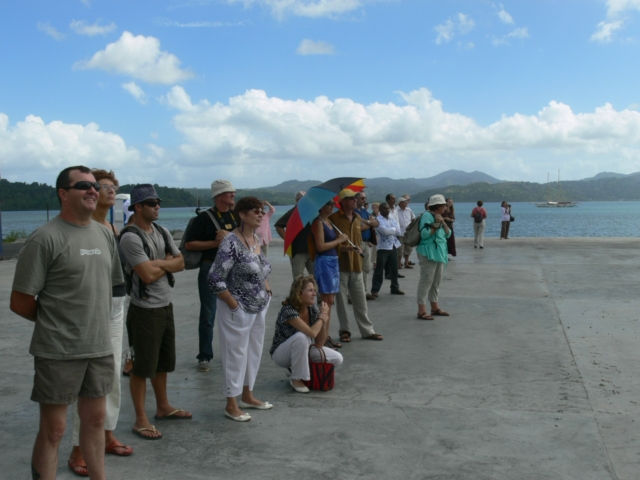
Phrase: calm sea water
{"type": "Point", "coordinates": [587, 219]}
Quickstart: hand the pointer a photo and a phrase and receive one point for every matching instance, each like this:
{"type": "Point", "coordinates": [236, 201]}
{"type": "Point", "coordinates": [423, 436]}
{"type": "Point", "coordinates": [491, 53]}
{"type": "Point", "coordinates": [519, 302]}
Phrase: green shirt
{"type": "Point", "coordinates": [432, 245]}
{"type": "Point", "coordinates": [71, 270]}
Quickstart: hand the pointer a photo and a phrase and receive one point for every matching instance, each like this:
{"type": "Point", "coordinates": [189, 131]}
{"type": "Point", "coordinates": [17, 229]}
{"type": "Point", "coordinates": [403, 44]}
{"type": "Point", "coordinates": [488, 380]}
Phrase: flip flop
{"type": "Point", "coordinates": [117, 448]}
{"type": "Point", "coordinates": [174, 415]}
{"type": "Point", "coordinates": [151, 428]}
{"type": "Point", "coordinates": [440, 313]}
{"type": "Point", "coordinates": [424, 316]}
{"type": "Point", "coordinates": [78, 467]}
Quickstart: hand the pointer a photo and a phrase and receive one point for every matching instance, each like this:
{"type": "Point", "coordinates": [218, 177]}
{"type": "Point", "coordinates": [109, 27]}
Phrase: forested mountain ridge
{"type": "Point", "coordinates": [462, 186]}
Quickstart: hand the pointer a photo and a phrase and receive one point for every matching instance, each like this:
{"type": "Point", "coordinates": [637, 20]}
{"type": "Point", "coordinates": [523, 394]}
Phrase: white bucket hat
{"type": "Point", "coordinates": [436, 199]}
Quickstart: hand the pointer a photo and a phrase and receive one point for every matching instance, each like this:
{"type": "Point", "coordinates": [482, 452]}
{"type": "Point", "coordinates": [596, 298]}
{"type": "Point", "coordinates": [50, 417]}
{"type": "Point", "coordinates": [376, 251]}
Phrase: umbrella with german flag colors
{"type": "Point", "coordinates": [307, 208]}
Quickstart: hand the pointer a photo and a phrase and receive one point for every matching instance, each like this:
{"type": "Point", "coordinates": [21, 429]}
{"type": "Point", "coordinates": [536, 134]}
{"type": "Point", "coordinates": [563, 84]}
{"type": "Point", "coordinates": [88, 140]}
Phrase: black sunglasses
{"type": "Point", "coordinates": [83, 185]}
{"type": "Point", "coordinates": [151, 203]}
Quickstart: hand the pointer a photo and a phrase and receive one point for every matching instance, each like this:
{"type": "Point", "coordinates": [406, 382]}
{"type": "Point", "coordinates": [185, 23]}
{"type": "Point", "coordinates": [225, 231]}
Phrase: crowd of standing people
{"type": "Point", "coordinates": [73, 275]}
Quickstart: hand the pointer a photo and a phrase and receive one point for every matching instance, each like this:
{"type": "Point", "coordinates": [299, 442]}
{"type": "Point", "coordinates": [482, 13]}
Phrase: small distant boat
{"type": "Point", "coordinates": [551, 204]}
{"type": "Point", "coordinates": [555, 204]}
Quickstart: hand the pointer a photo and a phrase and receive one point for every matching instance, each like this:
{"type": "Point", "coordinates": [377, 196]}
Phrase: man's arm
{"type": "Point", "coordinates": [24, 305]}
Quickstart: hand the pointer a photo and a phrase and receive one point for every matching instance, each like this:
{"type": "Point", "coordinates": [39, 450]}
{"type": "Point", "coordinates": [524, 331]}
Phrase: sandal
{"type": "Point", "coordinates": [373, 336]}
{"type": "Point", "coordinates": [117, 448]}
{"type": "Point", "coordinates": [345, 336]}
{"type": "Point", "coordinates": [424, 316]}
{"type": "Point", "coordinates": [78, 467]}
{"type": "Point", "coordinates": [439, 312]}
{"type": "Point", "coordinates": [331, 344]}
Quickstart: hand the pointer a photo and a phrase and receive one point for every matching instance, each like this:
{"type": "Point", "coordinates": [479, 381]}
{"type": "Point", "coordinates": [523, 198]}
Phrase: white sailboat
{"type": "Point", "coordinates": [555, 203]}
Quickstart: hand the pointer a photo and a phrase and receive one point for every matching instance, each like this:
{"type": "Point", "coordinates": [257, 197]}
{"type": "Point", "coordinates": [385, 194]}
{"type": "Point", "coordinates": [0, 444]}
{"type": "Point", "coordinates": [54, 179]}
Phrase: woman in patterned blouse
{"type": "Point", "coordinates": [299, 325]}
{"type": "Point", "coordinates": [239, 277]}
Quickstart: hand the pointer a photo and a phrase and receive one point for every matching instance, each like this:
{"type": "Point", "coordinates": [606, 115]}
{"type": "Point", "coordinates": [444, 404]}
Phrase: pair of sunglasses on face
{"type": "Point", "coordinates": [86, 185]}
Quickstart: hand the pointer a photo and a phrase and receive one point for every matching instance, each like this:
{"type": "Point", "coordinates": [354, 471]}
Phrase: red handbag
{"type": "Point", "coordinates": [322, 373]}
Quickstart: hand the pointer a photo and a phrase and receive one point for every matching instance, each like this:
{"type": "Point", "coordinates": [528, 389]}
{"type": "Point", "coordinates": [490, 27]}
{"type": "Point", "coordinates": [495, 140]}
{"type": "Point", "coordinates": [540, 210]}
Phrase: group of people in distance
{"type": "Point", "coordinates": [74, 273]}
{"type": "Point", "coordinates": [479, 215]}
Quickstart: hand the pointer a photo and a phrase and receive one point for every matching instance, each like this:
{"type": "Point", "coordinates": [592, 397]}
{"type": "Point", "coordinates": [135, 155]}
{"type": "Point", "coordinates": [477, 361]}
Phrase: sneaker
{"type": "Point", "coordinates": [203, 366]}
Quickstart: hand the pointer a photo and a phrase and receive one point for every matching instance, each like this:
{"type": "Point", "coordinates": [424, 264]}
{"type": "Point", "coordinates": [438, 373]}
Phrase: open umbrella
{"type": "Point", "coordinates": [314, 199]}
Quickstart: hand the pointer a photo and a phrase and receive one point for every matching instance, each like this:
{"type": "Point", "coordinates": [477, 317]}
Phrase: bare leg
{"type": "Point", "coordinates": [44, 461]}
{"type": "Point", "coordinates": [163, 407]}
{"type": "Point", "coordinates": [92, 412]}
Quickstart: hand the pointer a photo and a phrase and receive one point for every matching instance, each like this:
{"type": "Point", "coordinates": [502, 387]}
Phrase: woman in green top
{"type": "Point", "coordinates": [432, 256]}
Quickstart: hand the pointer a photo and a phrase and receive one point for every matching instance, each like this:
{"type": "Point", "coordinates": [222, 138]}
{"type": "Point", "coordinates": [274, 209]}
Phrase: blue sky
{"type": "Point", "coordinates": [181, 92]}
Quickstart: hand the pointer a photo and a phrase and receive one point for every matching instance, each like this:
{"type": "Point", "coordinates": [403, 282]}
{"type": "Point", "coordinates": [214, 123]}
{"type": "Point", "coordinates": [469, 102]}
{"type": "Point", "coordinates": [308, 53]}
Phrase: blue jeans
{"type": "Point", "coordinates": [207, 314]}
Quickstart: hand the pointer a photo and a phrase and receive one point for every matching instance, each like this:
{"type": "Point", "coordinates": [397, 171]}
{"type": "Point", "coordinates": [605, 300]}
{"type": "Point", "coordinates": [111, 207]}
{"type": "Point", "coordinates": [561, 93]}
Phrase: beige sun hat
{"type": "Point", "coordinates": [436, 199]}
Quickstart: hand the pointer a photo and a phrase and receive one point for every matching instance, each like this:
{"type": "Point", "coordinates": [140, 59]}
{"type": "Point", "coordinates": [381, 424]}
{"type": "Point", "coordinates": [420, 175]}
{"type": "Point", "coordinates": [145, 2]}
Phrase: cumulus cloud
{"type": "Point", "coordinates": [46, 28]}
{"type": "Point", "coordinates": [305, 8]}
{"type": "Point", "coordinates": [83, 28]}
{"type": "Point", "coordinates": [461, 24]}
{"type": "Point", "coordinates": [139, 57]}
{"type": "Point", "coordinates": [310, 47]}
{"type": "Point", "coordinates": [46, 148]}
{"type": "Point", "coordinates": [617, 13]}
{"type": "Point", "coordinates": [298, 137]}
{"type": "Point", "coordinates": [258, 140]}
{"type": "Point", "coordinates": [135, 91]}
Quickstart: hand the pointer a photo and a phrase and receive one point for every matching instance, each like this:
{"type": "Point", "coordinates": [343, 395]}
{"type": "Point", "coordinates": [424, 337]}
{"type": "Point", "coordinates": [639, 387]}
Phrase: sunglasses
{"type": "Point", "coordinates": [108, 187]}
{"type": "Point", "coordinates": [83, 185]}
{"type": "Point", "coordinates": [258, 211]}
{"type": "Point", "coordinates": [152, 203]}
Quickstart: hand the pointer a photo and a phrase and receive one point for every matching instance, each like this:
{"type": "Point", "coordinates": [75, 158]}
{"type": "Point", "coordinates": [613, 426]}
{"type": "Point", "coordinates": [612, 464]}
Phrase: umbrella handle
{"type": "Point", "coordinates": [348, 239]}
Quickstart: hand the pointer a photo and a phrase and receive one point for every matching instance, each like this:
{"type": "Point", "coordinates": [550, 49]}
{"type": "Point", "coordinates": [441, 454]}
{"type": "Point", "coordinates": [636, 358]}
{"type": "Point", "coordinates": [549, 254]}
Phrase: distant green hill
{"type": "Point", "coordinates": [470, 188]}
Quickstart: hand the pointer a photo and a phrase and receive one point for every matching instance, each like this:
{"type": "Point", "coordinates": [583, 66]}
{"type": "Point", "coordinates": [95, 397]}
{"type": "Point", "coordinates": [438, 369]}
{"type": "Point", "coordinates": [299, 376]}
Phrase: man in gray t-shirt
{"type": "Point", "coordinates": [63, 283]}
{"type": "Point", "coordinates": [151, 257]}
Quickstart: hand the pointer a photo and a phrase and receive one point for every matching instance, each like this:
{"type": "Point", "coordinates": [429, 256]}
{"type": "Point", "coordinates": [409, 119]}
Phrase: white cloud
{"type": "Point", "coordinates": [306, 8]}
{"type": "Point", "coordinates": [504, 16]}
{"type": "Point", "coordinates": [139, 57]}
{"type": "Point", "coordinates": [257, 140]}
{"type": "Point", "coordinates": [461, 24]}
{"type": "Point", "coordinates": [617, 7]}
{"type": "Point", "coordinates": [310, 47]}
{"type": "Point", "coordinates": [43, 149]}
{"type": "Point", "coordinates": [135, 91]}
{"type": "Point", "coordinates": [82, 28]}
{"type": "Point", "coordinates": [46, 28]}
{"type": "Point", "coordinates": [617, 14]}
{"type": "Point", "coordinates": [179, 99]}
{"type": "Point", "coordinates": [303, 139]}
{"type": "Point", "coordinates": [605, 31]}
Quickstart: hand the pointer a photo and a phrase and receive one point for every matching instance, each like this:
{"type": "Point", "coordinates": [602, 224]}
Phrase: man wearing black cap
{"type": "Point", "coordinates": [151, 257]}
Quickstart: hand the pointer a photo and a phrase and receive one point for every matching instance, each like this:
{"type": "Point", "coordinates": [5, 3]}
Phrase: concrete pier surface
{"type": "Point", "coordinates": [535, 375]}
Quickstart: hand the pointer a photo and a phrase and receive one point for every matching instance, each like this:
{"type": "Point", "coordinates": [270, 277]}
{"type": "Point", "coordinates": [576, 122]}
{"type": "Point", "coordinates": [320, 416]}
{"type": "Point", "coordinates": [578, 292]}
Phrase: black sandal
{"type": "Point", "coordinates": [345, 336]}
{"type": "Point", "coordinates": [331, 344]}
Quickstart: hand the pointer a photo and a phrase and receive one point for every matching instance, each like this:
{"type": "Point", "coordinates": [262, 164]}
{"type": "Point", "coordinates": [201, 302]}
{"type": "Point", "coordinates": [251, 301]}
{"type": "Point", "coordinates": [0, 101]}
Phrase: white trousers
{"type": "Point", "coordinates": [294, 353]}
{"type": "Point", "coordinates": [241, 336]}
{"type": "Point", "coordinates": [113, 398]}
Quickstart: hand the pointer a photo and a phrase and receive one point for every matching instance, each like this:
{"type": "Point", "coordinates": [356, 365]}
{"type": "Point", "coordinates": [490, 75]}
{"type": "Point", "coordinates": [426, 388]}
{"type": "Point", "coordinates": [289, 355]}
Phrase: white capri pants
{"type": "Point", "coordinates": [241, 336]}
{"type": "Point", "coordinates": [294, 353]}
{"type": "Point", "coordinates": [112, 398]}
{"type": "Point", "coordinates": [430, 277]}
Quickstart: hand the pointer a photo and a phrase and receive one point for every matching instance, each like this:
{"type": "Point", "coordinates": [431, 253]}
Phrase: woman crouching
{"type": "Point", "coordinates": [299, 325]}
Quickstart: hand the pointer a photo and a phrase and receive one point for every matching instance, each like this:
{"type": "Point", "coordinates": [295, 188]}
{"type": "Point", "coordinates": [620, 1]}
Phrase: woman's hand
{"type": "Point", "coordinates": [342, 238]}
{"type": "Point", "coordinates": [324, 309]}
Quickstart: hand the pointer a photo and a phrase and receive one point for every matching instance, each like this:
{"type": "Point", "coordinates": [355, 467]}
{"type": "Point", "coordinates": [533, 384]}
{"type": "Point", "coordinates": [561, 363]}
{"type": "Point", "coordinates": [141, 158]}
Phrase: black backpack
{"type": "Point", "coordinates": [128, 272]}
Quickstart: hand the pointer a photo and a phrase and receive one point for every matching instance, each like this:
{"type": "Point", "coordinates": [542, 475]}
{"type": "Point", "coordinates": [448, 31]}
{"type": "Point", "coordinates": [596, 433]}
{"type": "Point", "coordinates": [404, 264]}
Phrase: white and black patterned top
{"type": "Point", "coordinates": [242, 272]}
{"type": "Point", "coordinates": [284, 329]}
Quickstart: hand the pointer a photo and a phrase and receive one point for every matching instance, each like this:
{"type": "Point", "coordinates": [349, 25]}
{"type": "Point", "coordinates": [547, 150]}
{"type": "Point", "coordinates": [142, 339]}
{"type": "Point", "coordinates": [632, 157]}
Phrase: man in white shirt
{"type": "Point", "coordinates": [405, 216]}
{"type": "Point", "coordinates": [388, 232]}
